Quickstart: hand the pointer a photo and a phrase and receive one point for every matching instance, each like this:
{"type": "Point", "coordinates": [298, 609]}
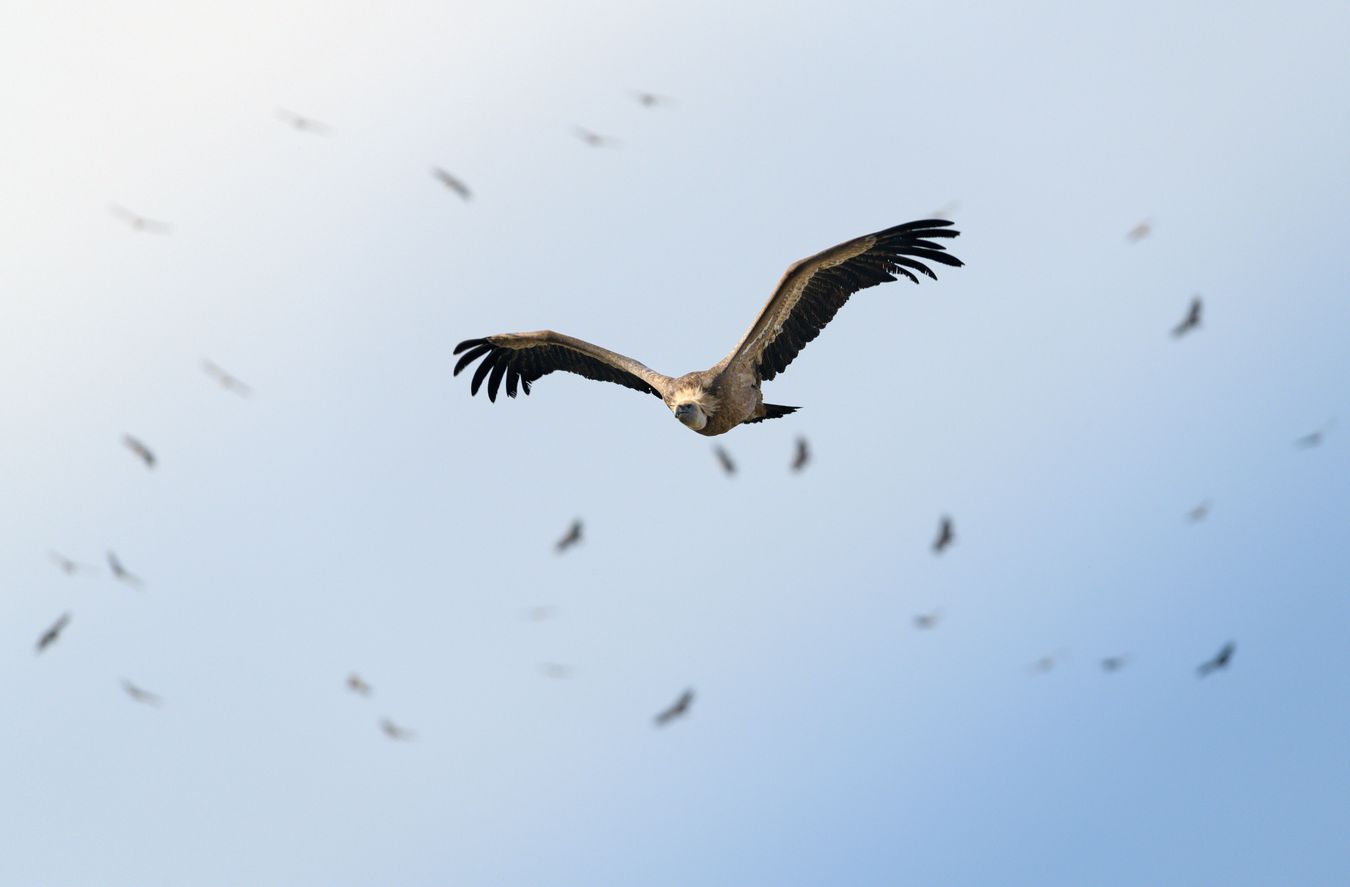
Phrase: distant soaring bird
{"type": "Point", "coordinates": [50, 635]}
{"type": "Point", "coordinates": [724, 459]}
{"type": "Point", "coordinates": [1140, 231]}
{"type": "Point", "coordinates": [677, 709]}
{"type": "Point", "coordinates": [1199, 512]}
{"type": "Point", "coordinates": [803, 455]}
{"type": "Point", "coordinates": [357, 685]}
{"type": "Point", "coordinates": [945, 537]}
{"type": "Point", "coordinates": [1192, 319]}
{"type": "Point", "coordinates": [142, 452]}
{"type": "Point", "coordinates": [1314, 439]}
{"type": "Point", "coordinates": [1114, 663]}
{"type": "Point", "coordinates": [394, 731]}
{"type": "Point", "coordinates": [925, 621]}
{"type": "Point", "coordinates": [594, 139]}
{"type": "Point", "coordinates": [140, 695]}
{"type": "Point", "coordinates": [300, 123]}
{"type": "Point", "coordinates": [1220, 660]}
{"type": "Point", "coordinates": [225, 380]}
{"type": "Point", "coordinates": [652, 99]}
{"type": "Point", "coordinates": [452, 183]}
{"type": "Point", "coordinates": [121, 573]}
{"type": "Point", "coordinates": [715, 400]}
{"type": "Point", "coordinates": [138, 222]}
{"type": "Point", "coordinates": [572, 537]}
{"type": "Point", "coordinates": [67, 565]}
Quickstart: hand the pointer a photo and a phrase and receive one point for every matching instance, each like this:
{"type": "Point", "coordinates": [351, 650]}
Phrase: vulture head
{"type": "Point", "coordinates": [691, 414]}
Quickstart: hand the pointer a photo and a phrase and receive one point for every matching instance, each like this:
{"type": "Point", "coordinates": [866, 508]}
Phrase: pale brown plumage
{"type": "Point", "coordinates": [718, 399]}
{"type": "Point", "coordinates": [678, 708]}
{"type": "Point", "coordinates": [50, 635]}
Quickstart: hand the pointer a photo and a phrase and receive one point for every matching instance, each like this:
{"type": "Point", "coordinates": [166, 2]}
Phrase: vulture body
{"type": "Point", "coordinates": [716, 400]}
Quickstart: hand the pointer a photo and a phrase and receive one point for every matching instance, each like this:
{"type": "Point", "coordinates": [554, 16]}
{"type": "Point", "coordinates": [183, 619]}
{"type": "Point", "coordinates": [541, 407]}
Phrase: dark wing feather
{"type": "Point", "coordinates": [813, 289]}
{"type": "Point", "coordinates": [521, 359]}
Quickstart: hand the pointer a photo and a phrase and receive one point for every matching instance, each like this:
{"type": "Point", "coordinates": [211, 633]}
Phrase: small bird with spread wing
{"type": "Point", "coordinates": [946, 535]}
{"type": "Point", "coordinates": [594, 139]}
{"type": "Point", "coordinates": [724, 459]}
{"type": "Point", "coordinates": [395, 732]}
{"type": "Point", "coordinates": [138, 222]}
{"type": "Point", "coordinates": [718, 399]}
{"type": "Point", "coordinates": [802, 456]}
{"type": "Point", "coordinates": [678, 708]}
{"type": "Point", "coordinates": [140, 695]}
{"type": "Point", "coordinates": [572, 537]}
{"type": "Point", "coordinates": [1315, 438]}
{"type": "Point", "coordinates": [143, 452]}
{"type": "Point", "coordinates": [225, 380]}
{"type": "Point", "coordinates": [652, 99]}
{"type": "Point", "coordinates": [1192, 319]}
{"type": "Point", "coordinates": [67, 565]}
{"type": "Point", "coordinates": [1140, 231]}
{"type": "Point", "coordinates": [451, 182]}
{"type": "Point", "coordinates": [925, 621]}
{"type": "Point", "coordinates": [1114, 663]}
{"type": "Point", "coordinates": [50, 635]}
{"type": "Point", "coordinates": [357, 685]}
{"type": "Point", "coordinates": [121, 573]}
{"type": "Point", "coordinates": [1220, 660]}
{"type": "Point", "coordinates": [301, 123]}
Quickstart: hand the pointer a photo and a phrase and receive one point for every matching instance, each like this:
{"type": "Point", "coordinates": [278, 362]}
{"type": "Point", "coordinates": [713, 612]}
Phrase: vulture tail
{"type": "Point", "coordinates": [773, 411]}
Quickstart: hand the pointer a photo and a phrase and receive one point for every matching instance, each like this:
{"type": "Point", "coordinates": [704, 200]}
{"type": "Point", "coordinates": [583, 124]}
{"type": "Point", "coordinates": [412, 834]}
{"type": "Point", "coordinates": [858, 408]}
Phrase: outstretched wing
{"type": "Point", "coordinates": [813, 289]}
{"type": "Point", "coordinates": [523, 358]}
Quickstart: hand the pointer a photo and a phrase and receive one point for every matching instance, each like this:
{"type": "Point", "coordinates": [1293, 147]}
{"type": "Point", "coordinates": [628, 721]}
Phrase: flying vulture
{"type": "Point", "coordinates": [1114, 663]}
{"type": "Point", "coordinates": [138, 222]}
{"type": "Point", "coordinates": [395, 732]}
{"type": "Point", "coordinates": [226, 380]}
{"type": "Point", "coordinates": [357, 684]}
{"type": "Point", "coordinates": [1220, 660]}
{"type": "Point", "coordinates": [140, 695]}
{"type": "Point", "coordinates": [945, 537]}
{"type": "Point", "coordinates": [716, 400]}
{"type": "Point", "coordinates": [1192, 319]}
{"type": "Point", "coordinates": [678, 708]}
{"type": "Point", "coordinates": [144, 453]}
{"type": "Point", "coordinates": [50, 635]}
{"type": "Point", "coordinates": [454, 184]}
{"type": "Point", "coordinates": [121, 573]}
{"type": "Point", "coordinates": [925, 621]}
{"type": "Point", "coordinates": [301, 123]}
{"type": "Point", "coordinates": [803, 455]}
{"type": "Point", "coordinates": [570, 538]}
{"type": "Point", "coordinates": [724, 459]}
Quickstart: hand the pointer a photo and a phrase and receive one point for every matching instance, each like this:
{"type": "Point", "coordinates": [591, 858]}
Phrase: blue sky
{"type": "Point", "coordinates": [362, 513]}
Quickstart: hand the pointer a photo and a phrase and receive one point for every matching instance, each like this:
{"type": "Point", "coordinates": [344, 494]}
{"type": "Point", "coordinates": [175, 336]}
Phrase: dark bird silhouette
{"type": "Point", "coordinates": [925, 621]}
{"type": "Point", "coordinates": [452, 183]}
{"type": "Point", "coordinates": [803, 455]}
{"type": "Point", "coordinates": [68, 566]}
{"type": "Point", "coordinates": [227, 381]}
{"type": "Point", "coordinates": [572, 537]}
{"type": "Point", "coordinates": [1199, 512]}
{"type": "Point", "coordinates": [1220, 660]}
{"type": "Point", "coordinates": [1114, 663]}
{"type": "Point", "coordinates": [1314, 439]}
{"type": "Point", "coordinates": [678, 708]}
{"type": "Point", "coordinates": [724, 459]}
{"type": "Point", "coordinates": [140, 449]}
{"type": "Point", "coordinates": [357, 685]}
{"type": "Point", "coordinates": [1140, 231]}
{"type": "Point", "coordinates": [121, 573]}
{"type": "Point", "coordinates": [394, 731]}
{"type": "Point", "coordinates": [137, 222]}
{"type": "Point", "coordinates": [945, 537]}
{"type": "Point", "coordinates": [594, 139]}
{"type": "Point", "coordinates": [652, 99]}
{"type": "Point", "coordinates": [300, 123]}
{"type": "Point", "coordinates": [1192, 320]}
{"type": "Point", "coordinates": [50, 635]}
{"type": "Point", "coordinates": [140, 695]}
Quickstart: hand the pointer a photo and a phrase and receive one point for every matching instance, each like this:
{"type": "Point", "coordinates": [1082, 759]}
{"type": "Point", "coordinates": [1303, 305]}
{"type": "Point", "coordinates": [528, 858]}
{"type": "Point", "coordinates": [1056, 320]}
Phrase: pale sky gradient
{"type": "Point", "coordinates": [362, 512]}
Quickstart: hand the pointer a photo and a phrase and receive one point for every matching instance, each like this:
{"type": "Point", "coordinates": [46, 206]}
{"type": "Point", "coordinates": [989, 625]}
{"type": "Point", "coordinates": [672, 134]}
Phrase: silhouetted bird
{"type": "Point", "coordinates": [50, 635]}
{"type": "Point", "coordinates": [68, 566]}
{"type": "Point", "coordinates": [677, 709]}
{"type": "Point", "coordinates": [925, 621]}
{"type": "Point", "coordinates": [301, 123]}
{"type": "Point", "coordinates": [141, 450]}
{"type": "Point", "coordinates": [451, 182]}
{"type": "Point", "coordinates": [594, 139]}
{"type": "Point", "coordinates": [143, 696]}
{"type": "Point", "coordinates": [1308, 441]}
{"type": "Point", "coordinates": [652, 100]}
{"type": "Point", "coordinates": [1140, 231]}
{"type": "Point", "coordinates": [394, 731]}
{"type": "Point", "coordinates": [945, 537]}
{"type": "Point", "coordinates": [1114, 663]}
{"type": "Point", "coordinates": [138, 222]}
{"type": "Point", "coordinates": [572, 537]}
{"type": "Point", "coordinates": [121, 573]}
{"type": "Point", "coordinates": [724, 459]}
{"type": "Point", "coordinates": [356, 685]}
{"type": "Point", "coordinates": [1192, 320]}
{"type": "Point", "coordinates": [1220, 660]}
{"type": "Point", "coordinates": [803, 455]}
{"type": "Point", "coordinates": [225, 380]}
{"type": "Point", "coordinates": [1199, 512]}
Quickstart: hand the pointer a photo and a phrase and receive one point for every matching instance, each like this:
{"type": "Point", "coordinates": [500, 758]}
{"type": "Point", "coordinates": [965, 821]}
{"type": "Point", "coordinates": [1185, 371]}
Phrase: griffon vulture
{"type": "Point", "coordinates": [1220, 660]}
{"type": "Point", "coordinates": [716, 400]}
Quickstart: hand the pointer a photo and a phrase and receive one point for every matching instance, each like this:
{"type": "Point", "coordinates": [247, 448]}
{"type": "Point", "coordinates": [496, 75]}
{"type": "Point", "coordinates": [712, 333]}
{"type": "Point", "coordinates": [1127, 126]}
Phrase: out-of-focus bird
{"type": "Point", "coordinates": [1044, 664]}
{"type": "Point", "coordinates": [121, 573]}
{"type": "Point", "coordinates": [1314, 439]}
{"type": "Point", "coordinates": [802, 456]}
{"type": "Point", "coordinates": [1114, 663]}
{"type": "Point", "coordinates": [728, 394]}
{"type": "Point", "coordinates": [1199, 512]}
{"type": "Point", "coordinates": [394, 731]}
{"type": "Point", "coordinates": [67, 565]}
{"type": "Point", "coordinates": [572, 537]}
{"type": "Point", "coordinates": [945, 537]}
{"type": "Point", "coordinates": [556, 670]}
{"type": "Point", "coordinates": [925, 621]}
{"type": "Point", "coordinates": [50, 635]}
{"type": "Point", "coordinates": [449, 181]}
{"type": "Point", "coordinates": [678, 708]}
{"type": "Point", "coordinates": [301, 123]}
{"type": "Point", "coordinates": [357, 685]}
{"type": "Point", "coordinates": [1220, 660]}
{"type": "Point", "coordinates": [226, 380]}
{"type": "Point", "coordinates": [539, 614]}
{"type": "Point", "coordinates": [594, 139]}
{"type": "Point", "coordinates": [140, 449]}
{"type": "Point", "coordinates": [138, 222]}
{"type": "Point", "coordinates": [946, 211]}
{"type": "Point", "coordinates": [1140, 231]}
{"type": "Point", "coordinates": [140, 695]}
{"type": "Point", "coordinates": [652, 99]}
{"type": "Point", "coordinates": [724, 459]}
{"type": "Point", "coordinates": [1192, 319]}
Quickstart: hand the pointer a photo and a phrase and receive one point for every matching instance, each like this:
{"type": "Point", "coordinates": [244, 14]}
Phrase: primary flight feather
{"type": "Point", "coordinates": [715, 400]}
